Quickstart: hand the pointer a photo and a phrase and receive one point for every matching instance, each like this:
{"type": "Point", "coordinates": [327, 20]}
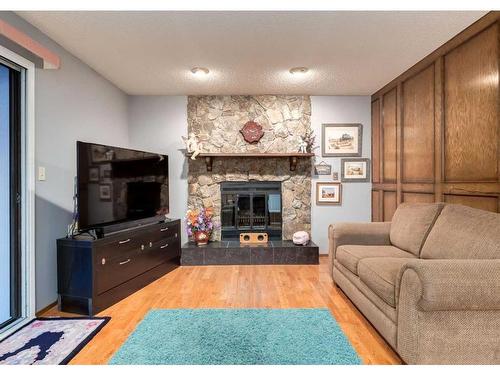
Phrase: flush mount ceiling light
{"type": "Point", "coordinates": [299, 70]}
{"type": "Point", "coordinates": [200, 71]}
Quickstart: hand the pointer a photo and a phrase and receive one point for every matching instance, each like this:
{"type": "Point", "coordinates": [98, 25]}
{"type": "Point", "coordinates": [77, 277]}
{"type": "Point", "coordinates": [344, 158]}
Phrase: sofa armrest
{"type": "Point", "coordinates": [356, 234]}
{"type": "Point", "coordinates": [455, 284]}
{"type": "Point", "coordinates": [449, 311]}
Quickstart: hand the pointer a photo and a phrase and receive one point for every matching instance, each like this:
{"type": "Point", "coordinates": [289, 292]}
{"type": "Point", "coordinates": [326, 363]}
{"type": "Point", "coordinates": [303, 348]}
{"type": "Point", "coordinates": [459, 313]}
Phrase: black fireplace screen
{"type": "Point", "coordinates": [251, 207]}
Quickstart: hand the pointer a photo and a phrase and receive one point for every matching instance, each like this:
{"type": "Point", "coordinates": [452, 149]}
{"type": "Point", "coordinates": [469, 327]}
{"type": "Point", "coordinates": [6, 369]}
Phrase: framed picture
{"type": "Point", "coordinates": [93, 174]}
{"type": "Point", "coordinates": [322, 169]}
{"type": "Point", "coordinates": [105, 192]}
{"type": "Point", "coordinates": [328, 193]}
{"type": "Point", "coordinates": [355, 170]}
{"type": "Point", "coordinates": [101, 153]}
{"type": "Point", "coordinates": [105, 172]}
{"type": "Point", "coordinates": [341, 140]}
{"type": "Point", "coordinates": [335, 176]}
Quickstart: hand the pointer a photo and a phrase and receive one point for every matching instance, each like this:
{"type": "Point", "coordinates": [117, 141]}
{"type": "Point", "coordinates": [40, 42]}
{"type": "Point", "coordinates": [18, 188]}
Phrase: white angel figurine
{"type": "Point", "coordinates": [302, 146]}
{"type": "Point", "coordinates": [192, 145]}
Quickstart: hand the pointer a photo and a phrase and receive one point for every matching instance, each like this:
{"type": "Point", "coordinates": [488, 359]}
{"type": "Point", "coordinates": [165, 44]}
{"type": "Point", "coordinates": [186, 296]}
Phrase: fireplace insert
{"type": "Point", "coordinates": [251, 207]}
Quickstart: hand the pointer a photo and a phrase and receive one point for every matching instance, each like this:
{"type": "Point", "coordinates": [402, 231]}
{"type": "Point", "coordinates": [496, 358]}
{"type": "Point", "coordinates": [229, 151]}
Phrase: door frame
{"type": "Point", "coordinates": [27, 189]}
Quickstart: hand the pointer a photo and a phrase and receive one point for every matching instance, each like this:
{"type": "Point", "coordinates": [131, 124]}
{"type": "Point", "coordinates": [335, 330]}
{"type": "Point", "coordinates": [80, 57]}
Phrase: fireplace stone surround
{"type": "Point", "coordinates": [217, 121]}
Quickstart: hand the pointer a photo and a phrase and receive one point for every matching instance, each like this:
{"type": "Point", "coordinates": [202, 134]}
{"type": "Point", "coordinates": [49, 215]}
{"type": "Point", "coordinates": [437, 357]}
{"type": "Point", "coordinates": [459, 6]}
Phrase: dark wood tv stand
{"type": "Point", "coordinates": [94, 274]}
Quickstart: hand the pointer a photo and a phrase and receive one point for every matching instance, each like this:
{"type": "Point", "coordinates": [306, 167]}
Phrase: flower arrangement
{"type": "Point", "coordinates": [199, 224]}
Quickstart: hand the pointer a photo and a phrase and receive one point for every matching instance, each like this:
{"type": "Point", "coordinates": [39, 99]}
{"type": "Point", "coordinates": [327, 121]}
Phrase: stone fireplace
{"type": "Point", "coordinates": [217, 121]}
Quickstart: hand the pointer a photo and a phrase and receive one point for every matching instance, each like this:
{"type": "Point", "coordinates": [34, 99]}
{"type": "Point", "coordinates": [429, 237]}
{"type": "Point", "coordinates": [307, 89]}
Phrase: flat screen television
{"type": "Point", "coordinates": [117, 185]}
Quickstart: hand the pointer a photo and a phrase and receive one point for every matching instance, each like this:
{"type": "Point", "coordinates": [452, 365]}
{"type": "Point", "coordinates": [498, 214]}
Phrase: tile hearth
{"type": "Point", "coordinates": [234, 253]}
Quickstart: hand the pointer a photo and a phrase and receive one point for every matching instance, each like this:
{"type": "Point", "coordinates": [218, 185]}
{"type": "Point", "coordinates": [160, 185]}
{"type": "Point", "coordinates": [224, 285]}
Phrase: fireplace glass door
{"type": "Point", "coordinates": [251, 207]}
{"type": "Point", "coordinates": [251, 211]}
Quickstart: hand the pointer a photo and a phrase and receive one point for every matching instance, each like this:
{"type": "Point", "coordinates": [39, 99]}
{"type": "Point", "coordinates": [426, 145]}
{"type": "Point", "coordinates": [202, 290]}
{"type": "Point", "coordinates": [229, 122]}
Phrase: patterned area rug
{"type": "Point", "coordinates": [237, 337]}
{"type": "Point", "coordinates": [49, 341]}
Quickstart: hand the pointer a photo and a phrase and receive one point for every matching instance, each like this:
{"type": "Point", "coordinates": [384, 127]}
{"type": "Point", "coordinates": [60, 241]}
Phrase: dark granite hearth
{"type": "Point", "coordinates": [232, 252]}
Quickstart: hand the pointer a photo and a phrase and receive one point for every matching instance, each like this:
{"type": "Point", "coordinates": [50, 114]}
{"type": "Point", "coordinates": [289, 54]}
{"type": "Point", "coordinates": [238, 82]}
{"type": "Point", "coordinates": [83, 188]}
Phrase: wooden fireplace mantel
{"type": "Point", "coordinates": [292, 156]}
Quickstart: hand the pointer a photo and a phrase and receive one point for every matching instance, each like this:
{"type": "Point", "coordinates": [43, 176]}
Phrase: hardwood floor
{"type": "Point", "coordinates": [237, 287]}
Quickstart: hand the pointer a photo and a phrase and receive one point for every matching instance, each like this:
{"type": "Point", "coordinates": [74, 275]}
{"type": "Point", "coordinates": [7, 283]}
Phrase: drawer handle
{"type": "Point", "coordinates": [143, 247]}
{"type": "Point", "coordinates": [125, 262]}
{"type": "Point", "coordinates": [124, 241]}
{"type": "Point", "coordinates": [164, 246]}
{"type": "Point", "coordinates": [163, 229]}
{"type": "Point", "coordinates": [150, 244]}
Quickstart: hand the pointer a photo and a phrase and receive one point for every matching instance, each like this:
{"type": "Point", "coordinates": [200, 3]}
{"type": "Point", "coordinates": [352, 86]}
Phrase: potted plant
{"type": "Point", "coordinates": [199, 225]}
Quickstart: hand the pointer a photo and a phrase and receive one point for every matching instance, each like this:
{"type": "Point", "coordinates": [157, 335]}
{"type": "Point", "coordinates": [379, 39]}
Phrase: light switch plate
{"type": "Point", "coordinates": [41, 174]}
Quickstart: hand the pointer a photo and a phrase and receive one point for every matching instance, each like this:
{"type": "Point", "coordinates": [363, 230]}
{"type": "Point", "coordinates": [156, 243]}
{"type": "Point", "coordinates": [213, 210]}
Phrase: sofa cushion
{"type": "Point", "coordinates": [412, 223]}
{"type": "Point", "coordinates": [350, 255]}
{"type": "Point", "coordinates": [462, 232]}
{"type": "Point", "coordinates": [380, 275]}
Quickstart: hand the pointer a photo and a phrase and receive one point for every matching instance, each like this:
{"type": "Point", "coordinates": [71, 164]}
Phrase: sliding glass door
{"type": "Point", "coordinates": [10, 197]}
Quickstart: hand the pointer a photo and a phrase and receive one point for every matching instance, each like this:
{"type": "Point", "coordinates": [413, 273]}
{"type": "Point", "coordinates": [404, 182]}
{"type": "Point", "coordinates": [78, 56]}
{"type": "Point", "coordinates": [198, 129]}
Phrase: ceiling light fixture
{"type": "Point", "coordinates": [200, 71]}
{"type": "Point", "coordinates": [299, 70]}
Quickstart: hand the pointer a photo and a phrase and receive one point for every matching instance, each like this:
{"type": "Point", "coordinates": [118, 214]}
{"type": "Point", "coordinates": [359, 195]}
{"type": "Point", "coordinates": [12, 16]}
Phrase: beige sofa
{"type": "Point", "coordinates": [429, 281]}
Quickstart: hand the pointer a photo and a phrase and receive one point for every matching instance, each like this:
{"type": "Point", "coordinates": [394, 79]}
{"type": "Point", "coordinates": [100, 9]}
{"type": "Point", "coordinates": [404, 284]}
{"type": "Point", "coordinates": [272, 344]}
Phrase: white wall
{"type": "Point", "coordinates": [156, 124]}
{"type": "Point", "coordinates": [71, 103]}
{"type": "Point", "coordinates": [356, 196]}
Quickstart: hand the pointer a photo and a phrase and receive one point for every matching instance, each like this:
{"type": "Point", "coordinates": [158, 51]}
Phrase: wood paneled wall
{"type": "Point", "coordinates": [436, 130]}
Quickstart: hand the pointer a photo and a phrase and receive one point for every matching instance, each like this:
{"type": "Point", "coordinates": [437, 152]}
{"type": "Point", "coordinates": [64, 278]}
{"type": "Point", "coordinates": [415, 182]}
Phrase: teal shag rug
{"type": "Point", "coordinates": [237, 337]}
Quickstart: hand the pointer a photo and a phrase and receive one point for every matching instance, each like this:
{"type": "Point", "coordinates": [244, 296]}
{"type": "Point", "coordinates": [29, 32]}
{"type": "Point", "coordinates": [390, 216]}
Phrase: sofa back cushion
{"type": "Point", "coordinates": [462, 232]}
{"type": "Point", "coordinates": [412, 223]}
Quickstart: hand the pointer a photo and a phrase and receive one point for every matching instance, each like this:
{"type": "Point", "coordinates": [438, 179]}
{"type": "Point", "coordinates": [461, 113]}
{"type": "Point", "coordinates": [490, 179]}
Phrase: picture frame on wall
{"type": "Point", "coordinates": [328, 193]}
{"type": "Point", "coordinates": [105, 173]}
{"type": "Point", "coordinates": [341, 140]}
{"type": "Point", "coordinates": [105, 192]}
{"type": "Point", "coordinates": [93, 174]}
{"type": "Point", "coordinates": [322, 169]}
{"type": "Point", "coordinates": [355, 170]}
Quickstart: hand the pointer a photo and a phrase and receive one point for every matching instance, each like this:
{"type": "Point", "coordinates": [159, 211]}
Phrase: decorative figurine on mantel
{"type": "Point", "coordinates": [193, 146]}
{"type": "Point", "coordinates": [306, 144]}
{"type": "Point", "coordinates": [302, 146]}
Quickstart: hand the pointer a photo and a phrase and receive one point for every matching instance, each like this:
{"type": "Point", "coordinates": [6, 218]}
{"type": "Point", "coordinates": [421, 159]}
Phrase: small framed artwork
{"type": "Point", "coordinates": [105, 172]}
{"type": "Point", "coordinates": [105, 192]}
{"type": "Point", "coordinates": [322, 169]}
{"type": "Point", "coordinates": [93, 174]}
{"type": "Point", "coordinates": [100, 153]}
{"type": "Point", "coordinates": [355, 170]}
{"type": "Point", "coordinates": [335, 176]}
{"type": "Point", "coordinates": [328, 193]}
{"type": "Point", "coordinates": [341, 140]}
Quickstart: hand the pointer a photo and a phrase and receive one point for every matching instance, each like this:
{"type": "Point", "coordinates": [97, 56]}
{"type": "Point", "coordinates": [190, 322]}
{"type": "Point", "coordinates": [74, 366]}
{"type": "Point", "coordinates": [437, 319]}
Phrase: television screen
{"type": "Point", "coordinates": [117, 185]}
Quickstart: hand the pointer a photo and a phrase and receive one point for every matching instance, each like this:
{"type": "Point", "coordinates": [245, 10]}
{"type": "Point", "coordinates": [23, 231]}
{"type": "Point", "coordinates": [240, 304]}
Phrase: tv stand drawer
{"type": "Point", "coordinates": [113, 272]}
{"type": "Point", "coordinates": [161, 252]}
{"type": "Point", "coordinates": [163, 231]}
{"type": "Point", "coordinates": [117, 245]}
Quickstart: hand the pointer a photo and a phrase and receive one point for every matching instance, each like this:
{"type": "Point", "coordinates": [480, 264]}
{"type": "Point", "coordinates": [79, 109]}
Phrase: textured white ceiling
{"type": "Point", "coordinates": [348, 53]}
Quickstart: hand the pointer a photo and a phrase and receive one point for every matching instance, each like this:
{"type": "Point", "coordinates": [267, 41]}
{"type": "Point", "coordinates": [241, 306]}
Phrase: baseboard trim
{"type": "Point", "coordinates": [45, 309]}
